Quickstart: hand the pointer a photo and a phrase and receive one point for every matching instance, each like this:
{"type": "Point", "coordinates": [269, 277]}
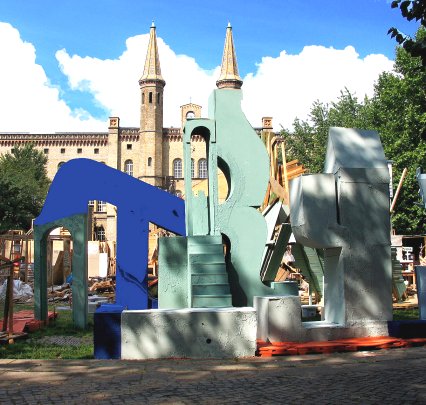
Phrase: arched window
{"type": "Point", "coordinates": [150, 161]}
{"type": "Point", "coordinates": [177, 168]}
{"type": "Point", "coordinates": [202, 168]}
{"type": "Point", "coordinates": [158, 98]}
{"type": "Point", "coordinates": [99, 233]}
{"type": "Point", "coordinates": [143, 98]}
{"type": "Point", "coordinates": [192, 169]}
{"type": "Point", "coordinates": [150, 97]}
{"type": "Point", "coordinates": [128, 167]}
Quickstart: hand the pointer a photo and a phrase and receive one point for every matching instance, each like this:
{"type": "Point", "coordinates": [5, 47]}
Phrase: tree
{"type": "Point", "coordinates": [308, 141]}
{"type": "Point", "coordinates": [399, 114]}
{"type": "Point", "coordinates": [23, 187]}
{"type": "Point", "coordinates": [411, 10]}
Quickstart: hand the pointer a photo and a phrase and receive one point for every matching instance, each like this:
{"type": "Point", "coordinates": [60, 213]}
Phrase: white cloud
{"type": "Point", "coordinates": [27, 101]}
{"type": "Point", "coordinates": [114, 83]}
{"type": "Point", "coordinates": [283, 87]}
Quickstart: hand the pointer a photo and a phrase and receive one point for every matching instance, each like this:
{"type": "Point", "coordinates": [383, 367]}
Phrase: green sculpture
{"type": "Point", "coordinates": [77, 226]}
{"type": "Point", "coordinates": [206, 278]}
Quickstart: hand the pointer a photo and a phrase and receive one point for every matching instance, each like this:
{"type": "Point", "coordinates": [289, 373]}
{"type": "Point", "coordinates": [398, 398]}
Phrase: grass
{"type": "Point", "coordinates": [42, 344]}
{"type": "Point", "coordinates": [405, 314]}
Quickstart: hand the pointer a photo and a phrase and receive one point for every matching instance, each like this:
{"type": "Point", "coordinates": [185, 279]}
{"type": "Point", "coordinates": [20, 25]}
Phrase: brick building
{"type": "Point", "coordinates": [149, 152]}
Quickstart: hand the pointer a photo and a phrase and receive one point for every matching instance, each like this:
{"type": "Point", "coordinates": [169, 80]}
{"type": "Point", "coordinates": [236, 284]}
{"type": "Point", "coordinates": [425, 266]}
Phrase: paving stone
{"type": "Point", "coordinates": [385, 376]}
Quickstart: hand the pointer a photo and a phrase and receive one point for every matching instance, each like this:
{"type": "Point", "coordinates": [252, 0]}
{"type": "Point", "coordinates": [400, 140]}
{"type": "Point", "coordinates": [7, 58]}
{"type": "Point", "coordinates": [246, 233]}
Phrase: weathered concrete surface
{"type": "Point", "coordinates": [279, 319]}
{"type": "Point", "coordinates": [188, 333]}
{"type": "Point", "coordinates": [379, 377]}
{"type": "Point", "coordinates": [345, 211]}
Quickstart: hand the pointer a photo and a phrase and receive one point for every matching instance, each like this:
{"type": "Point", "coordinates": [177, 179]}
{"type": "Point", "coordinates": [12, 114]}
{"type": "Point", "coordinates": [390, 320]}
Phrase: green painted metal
{"type": "Point", "coordinates": [77, 226]}
{"type": "Point", "coordinates": [310, 263]}
{"type": "Point", "coordinates": [277, 253]}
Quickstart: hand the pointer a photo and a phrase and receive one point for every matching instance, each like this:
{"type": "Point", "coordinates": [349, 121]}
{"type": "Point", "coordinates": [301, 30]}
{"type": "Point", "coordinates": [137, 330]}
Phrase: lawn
{"type": "Point", "coordinates": [59, 340]}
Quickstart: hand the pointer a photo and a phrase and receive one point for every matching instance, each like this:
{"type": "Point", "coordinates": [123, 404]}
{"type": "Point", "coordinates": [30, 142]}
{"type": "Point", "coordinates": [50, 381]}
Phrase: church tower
{"type": "Point", "coordinates": [229, 77]}
{"type": "Point", "coordinates": [151, 114]}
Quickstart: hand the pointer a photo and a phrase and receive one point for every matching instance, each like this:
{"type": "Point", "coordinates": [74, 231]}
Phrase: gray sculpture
{"type": "Point", "coordinates": [345, 211]}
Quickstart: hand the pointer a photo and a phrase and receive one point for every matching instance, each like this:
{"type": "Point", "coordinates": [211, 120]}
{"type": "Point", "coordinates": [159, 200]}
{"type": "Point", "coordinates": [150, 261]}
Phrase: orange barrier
{"type": "Point", "coordinates": [265, 349]}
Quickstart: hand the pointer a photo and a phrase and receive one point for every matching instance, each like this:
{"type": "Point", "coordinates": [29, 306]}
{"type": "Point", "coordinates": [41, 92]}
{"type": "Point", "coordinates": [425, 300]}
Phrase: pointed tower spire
{"type": "Point", "coordinates": [152, 70]}
{"type": "Point", "coordinates": [229, 77]}
{"type": "Point", "coordinates": [151, 115]}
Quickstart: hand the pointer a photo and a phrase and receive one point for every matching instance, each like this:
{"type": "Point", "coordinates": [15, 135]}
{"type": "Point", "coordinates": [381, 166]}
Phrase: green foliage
{"type": "Point", "coordinates": [399, 114]}
{"type": "Point", "coordinates": [23, 187]}
{"type": "Point", "coordinates": [411, 10]}
{"type": "Point", "coordinates": [308, 141]}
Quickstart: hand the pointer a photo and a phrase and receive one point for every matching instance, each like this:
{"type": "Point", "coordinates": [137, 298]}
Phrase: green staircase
{"type": "Point", "coordinates": [207, 269]}
{"type": "Point", "coordinates": [311, 264]}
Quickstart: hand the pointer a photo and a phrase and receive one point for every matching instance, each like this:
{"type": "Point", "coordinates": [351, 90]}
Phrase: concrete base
{"type": "Point", "coordinates": [188, 333]}
{"type": "Point", "coordinates": [280, 320]}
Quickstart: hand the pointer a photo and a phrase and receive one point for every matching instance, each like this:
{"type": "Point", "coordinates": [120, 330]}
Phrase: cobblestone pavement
{"type": "Point", "coordinates": [394, 376]}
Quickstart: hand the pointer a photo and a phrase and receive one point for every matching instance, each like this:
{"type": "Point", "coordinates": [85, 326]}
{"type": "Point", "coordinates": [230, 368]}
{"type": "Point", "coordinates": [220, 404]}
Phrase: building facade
{"type": "Point", "coordinates": [149, 152]}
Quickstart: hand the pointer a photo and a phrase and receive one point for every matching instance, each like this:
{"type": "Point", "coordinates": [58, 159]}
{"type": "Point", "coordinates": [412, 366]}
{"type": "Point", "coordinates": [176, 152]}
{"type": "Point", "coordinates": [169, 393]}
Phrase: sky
{"type": "Point", "coordinates": [68, 65]}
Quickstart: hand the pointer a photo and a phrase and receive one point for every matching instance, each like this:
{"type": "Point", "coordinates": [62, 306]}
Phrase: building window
{"type": "Point", "coordinates": [158, 98]}
{"type": "Point", "coordinates": [150, 97]}
{"type": "Point", "coordinates": [202, 168]}
{"type": "Point", "coordinates": [79, 150]}
{"type": "Point", "coordinates": [177, 168]}
{"type": "Point", "coordinates": [60, 164]}
{"type": "Point", "coordinates": [101, 206]}
{"type": "Point", "coordinates": [143, 98]}
{"type": "Point", "coordinates": [96, 151]}
{"type": "Point", "coordinates": [46, 151]}
{"type": "Point", "coordinates": [129, 146]}
{"type": "Point", "coordinates": [99, 233]}
{"type": "Point", "coordinates": [62, 150]}
{"type": "Point", "coordinates": [91, 203]}
{"type": "Point", "coordinates": [192, 168]}
{"type": "Point", "coordinates": [128, 167]}
{"type": "Point", "coordinates": [150, 161]}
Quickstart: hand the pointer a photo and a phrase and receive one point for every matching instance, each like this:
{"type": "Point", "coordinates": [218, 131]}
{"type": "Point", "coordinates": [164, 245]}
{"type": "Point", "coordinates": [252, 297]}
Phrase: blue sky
{"type": "Point", "coordinates": [266, 34]}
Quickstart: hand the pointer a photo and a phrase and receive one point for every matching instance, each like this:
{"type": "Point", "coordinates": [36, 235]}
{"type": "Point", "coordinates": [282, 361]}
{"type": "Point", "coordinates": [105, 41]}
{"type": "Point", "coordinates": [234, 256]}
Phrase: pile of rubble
{"type": "Point", "coordinates": [63, 293]}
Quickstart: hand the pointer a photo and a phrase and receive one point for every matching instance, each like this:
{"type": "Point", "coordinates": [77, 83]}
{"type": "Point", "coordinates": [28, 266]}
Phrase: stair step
{"type": "Point", "coordinates": [209, 278]}
{"type": "Point", "coordinates": [210, 289]}
{"type": "Point", "coordinates": [212, 301]}
{"type": "Point", "coordinates": [200, 258]}
{"type": "Point", "coordinates": [208, 268]}
{"type": "Point", "coordinates": [205, 249]}
{"type": "Point", "coordinates": [205, 240]}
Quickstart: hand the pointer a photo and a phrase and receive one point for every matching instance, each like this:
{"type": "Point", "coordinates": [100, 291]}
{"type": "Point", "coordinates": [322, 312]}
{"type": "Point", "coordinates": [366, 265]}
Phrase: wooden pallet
{"type": "Point", "coordinates": [6, 338]}
{"type": "Point", "coordinates": [265, 349]}
{"type": "Point", "coordinates": [24, 320]}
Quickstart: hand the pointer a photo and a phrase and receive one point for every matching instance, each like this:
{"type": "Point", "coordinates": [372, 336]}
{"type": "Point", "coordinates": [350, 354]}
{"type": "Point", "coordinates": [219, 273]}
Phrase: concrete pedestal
{"type": "Point", "coordinates": [188, 333]}
{"type": "Point", "coordinates": [279, 320]}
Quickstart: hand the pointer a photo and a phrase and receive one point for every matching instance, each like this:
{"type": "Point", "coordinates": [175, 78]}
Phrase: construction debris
{"type": "Point", "coordinates": [22, 292]}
